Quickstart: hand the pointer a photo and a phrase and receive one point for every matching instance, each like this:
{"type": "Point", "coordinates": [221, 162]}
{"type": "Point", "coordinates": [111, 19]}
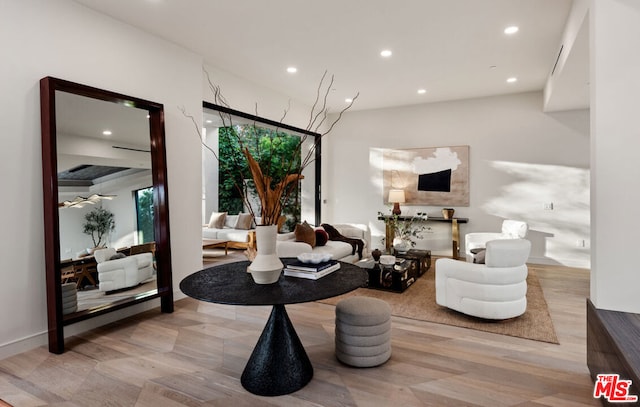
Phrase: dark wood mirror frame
{"type": "Point", "coordinates": [56, 321]}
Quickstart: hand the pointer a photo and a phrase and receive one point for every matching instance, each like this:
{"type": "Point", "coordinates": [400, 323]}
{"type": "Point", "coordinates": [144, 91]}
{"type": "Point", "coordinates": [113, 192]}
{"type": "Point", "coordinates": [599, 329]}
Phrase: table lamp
{"type": "Point", "coordinates": [396, 196]}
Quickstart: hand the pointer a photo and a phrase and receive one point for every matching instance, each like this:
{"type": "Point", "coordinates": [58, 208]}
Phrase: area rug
{"type": "Point", "coordinates": [418, 302]}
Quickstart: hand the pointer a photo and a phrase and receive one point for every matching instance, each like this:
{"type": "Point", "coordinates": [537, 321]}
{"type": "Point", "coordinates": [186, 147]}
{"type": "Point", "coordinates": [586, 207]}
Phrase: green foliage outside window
{"type": "Point", "coordinates": [277, 152]}
{"type": "Point", "coordinates": [144, 212]}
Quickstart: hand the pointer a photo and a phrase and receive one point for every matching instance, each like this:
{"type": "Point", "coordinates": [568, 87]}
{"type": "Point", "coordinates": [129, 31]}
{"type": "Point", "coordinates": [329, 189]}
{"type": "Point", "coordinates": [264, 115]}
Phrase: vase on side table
{"type": "Point", "coordinates": [266, 267]}
{"type": "Point", "coordinates": [401, 245]}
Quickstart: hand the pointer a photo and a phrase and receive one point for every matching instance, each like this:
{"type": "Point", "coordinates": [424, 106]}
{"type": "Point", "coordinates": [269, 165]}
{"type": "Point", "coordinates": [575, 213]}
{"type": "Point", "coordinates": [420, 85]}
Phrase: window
{"type": "Point", "coordinates": [221, 177]}
{"type": "Point", "coordinates": [144, 214]}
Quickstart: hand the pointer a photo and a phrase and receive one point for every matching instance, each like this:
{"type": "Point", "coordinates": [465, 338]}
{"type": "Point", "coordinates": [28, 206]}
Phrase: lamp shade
{"type": "Point", "coordinates": [396, 195]}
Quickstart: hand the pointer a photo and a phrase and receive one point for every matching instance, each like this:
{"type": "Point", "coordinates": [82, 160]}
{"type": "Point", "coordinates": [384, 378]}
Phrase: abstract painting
{"type": "Point", "coordinates": [429, 176]}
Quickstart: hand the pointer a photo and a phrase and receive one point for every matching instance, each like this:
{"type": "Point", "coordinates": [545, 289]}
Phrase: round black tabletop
{"type": "Point", "coordinates": [231, 284]}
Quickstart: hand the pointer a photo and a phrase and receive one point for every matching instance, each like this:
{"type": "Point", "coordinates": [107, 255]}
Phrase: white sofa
{"type": "Point", "coordinates": [124, 272]}
{"type": "Point", "coordinates": [494, 290]}
{"type": "Point", "coordinates": [238, 238]}
{"type": "Point", "coordinates": [287, 246]}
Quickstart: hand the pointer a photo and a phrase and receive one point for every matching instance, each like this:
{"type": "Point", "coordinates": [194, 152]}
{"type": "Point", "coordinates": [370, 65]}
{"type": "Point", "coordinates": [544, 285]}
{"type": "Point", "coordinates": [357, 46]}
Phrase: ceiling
{"type": "Point", "coordinates": [454, 49]}
{"type": "Point", "coordinates": [86, 156]}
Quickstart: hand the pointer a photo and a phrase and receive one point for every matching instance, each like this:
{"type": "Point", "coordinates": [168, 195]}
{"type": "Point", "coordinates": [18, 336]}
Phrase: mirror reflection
{"type": "Point", "coordinates": [105, 207]}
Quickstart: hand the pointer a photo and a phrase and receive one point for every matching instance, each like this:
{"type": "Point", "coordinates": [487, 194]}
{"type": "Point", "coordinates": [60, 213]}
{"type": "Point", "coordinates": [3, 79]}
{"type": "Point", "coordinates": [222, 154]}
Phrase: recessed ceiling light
{"type": "Point", "coordinates": [512, 79]}
{"type": "Point", "coordinates": [107, 133]}
{"type": "Point", "coordinates": [511, 30]}
{"type": "Point", "coordinates": [208, 121]}
{"type": "Point", "coordinates": [292, 69]}
{"type": "Point", "coordinates": [348, 100]}
{"type": "Point", "coordinates": [385, 53]}
{"type": "Point", "coordinates": [422, 91]}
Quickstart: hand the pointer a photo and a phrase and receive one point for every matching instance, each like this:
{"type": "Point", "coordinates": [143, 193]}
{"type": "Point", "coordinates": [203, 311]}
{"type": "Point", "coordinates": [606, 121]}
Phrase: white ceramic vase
{"type": "Point", "coordinates": [266, 267]}
{"type": "Point", "coordinates": [400, 245]}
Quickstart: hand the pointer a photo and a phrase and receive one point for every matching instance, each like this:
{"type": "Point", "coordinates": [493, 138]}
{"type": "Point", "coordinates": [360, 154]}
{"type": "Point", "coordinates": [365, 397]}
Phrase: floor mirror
{"type": "Point", "coordinates": [105, 204]}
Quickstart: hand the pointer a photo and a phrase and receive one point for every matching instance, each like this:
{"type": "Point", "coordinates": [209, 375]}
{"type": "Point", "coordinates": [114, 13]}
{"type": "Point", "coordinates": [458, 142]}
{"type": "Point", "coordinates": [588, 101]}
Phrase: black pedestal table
{"type": "Point", "coordinates": [278, 364]}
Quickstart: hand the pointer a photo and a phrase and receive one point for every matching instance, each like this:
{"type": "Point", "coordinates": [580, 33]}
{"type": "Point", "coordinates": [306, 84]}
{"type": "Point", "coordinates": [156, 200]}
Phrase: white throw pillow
{"type": "Point", "coordinates": [217, 220]}
{"type": "Point", "coordinates": [244, 221]}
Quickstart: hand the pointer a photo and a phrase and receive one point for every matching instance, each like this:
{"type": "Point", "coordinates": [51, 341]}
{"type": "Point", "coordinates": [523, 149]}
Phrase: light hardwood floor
{"type": "Point", "coordinates": [195, 356]}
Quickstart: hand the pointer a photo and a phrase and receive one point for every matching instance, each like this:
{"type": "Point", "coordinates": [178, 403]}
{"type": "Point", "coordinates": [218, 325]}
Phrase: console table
{"type": "Point", "coordinates": [455, 230]}
{"type": "Point", "coordinates": [278, 364]}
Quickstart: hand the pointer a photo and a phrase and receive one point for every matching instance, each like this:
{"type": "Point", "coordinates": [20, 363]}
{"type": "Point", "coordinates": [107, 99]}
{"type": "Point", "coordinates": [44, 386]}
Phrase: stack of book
{"type": "Point", "coordinates": [311, 271]}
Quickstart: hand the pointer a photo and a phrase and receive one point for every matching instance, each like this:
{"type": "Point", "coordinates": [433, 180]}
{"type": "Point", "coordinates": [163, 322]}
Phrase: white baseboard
{"type": "Point", "coordinates": [41, 339]}
{"type": "Point", "coordinates": [22, 345]}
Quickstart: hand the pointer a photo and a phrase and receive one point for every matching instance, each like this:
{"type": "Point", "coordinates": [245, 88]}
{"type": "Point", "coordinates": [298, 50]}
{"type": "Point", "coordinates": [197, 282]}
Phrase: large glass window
{"type": "Point", "coordinates": [271, 144]}
{"type": "Point", "coordinates": [144, 214]}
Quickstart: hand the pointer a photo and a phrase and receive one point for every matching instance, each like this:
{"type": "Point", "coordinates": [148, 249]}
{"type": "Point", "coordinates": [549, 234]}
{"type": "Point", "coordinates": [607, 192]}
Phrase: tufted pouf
{"type": "Point", "coordinates": [363, 331]}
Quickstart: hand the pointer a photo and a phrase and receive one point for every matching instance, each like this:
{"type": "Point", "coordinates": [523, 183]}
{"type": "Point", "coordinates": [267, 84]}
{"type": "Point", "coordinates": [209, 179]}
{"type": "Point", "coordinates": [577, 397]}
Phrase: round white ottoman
{"type": "Point", "coordinates": [363, 331]}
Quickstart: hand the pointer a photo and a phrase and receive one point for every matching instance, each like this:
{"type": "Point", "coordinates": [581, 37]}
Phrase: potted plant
{"type": "Point", "coordinates": [98, 223]}
{"type": "Point", "coordinates": [405, 230]}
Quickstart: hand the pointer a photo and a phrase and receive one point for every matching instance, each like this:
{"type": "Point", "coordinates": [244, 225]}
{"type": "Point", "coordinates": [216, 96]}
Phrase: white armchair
{"type": "Point", "coordinates": [494, 290]}
{"type": "Point", "coordinates": [511, 229]}
{"type": "Point", "coordinates": [124, 272]}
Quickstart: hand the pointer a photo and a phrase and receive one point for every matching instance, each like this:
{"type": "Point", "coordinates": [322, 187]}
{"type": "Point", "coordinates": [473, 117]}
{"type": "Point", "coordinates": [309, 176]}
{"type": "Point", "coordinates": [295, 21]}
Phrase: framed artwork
{"type": "Point", "coordinates": [437, 176]}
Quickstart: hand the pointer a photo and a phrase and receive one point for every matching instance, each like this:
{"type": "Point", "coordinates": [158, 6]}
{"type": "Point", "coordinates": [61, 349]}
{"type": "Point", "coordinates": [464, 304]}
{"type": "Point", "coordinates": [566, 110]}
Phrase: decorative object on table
{"type": "Point", "coordinates": [428, 176]}
{"type": "Point", "coordinates": [447, 213]}
{"type": "Point", "coordinates": [266, 266]}
{"type": "Point", "coordinates": [376, 253]}
{"type": "Point", "coordinates": [98, 223]}
{"type": "Point", "coordinates": [311, 271]}
{"type": "Point", "coordinates": [396, 197]}
{"type": "Point", "coordinates": [274, 188]}
{"type": "Point", "coordinates": [403, 231]}
{"type": "Point", "coordinates": [387, 259]}
{"type": "Point", "coordinates": [363, 331]}
{"type": "Point", "coordinates": [314, 258]}
{"type": "Point", "coordinates": [401, 245]}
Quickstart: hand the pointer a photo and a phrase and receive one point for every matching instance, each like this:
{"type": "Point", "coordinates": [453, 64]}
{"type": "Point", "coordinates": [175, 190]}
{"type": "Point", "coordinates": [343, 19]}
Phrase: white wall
{"type": "Point", "coordinates": [520, 158]}
{"type": "Point", "coordinates": [60, 38]}
{"type": "Point", "coordinates": [615, 86]}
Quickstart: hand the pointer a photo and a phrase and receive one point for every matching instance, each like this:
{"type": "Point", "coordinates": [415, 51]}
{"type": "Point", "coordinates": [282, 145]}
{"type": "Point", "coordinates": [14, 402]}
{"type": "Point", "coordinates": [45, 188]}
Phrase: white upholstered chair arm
{"type": "Point", "coordinates": [479, 273]}
{"type": "Point", "coordinates": [143, 259]}
{"type": "Point", "coordinates": [103, 255]}
{"type": "Point", "coordinates": [477, 240]}
{"type": "Point", "coordinates": [124, 263]}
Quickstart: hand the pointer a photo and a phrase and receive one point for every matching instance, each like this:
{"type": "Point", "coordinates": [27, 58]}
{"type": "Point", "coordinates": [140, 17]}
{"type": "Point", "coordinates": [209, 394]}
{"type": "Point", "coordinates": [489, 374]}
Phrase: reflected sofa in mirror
{"type": "Point", "coordinates": [103, 153]}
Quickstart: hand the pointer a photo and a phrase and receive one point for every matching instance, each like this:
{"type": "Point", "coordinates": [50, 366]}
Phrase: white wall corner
{"type": "Point", "coordinates": [567, 86]}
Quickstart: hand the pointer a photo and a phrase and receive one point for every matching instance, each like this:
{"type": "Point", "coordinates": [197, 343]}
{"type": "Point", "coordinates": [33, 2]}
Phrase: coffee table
{"type": "Point", "coordinates": [213, 243]}
{"type": "Point", "coordinates": [279, 363]}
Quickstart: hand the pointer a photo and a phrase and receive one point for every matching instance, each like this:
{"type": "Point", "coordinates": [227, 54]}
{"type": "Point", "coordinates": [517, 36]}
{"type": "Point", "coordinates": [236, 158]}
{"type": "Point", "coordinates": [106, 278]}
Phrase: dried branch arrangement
{"type": "Point", "coordinates": [273, 193]}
